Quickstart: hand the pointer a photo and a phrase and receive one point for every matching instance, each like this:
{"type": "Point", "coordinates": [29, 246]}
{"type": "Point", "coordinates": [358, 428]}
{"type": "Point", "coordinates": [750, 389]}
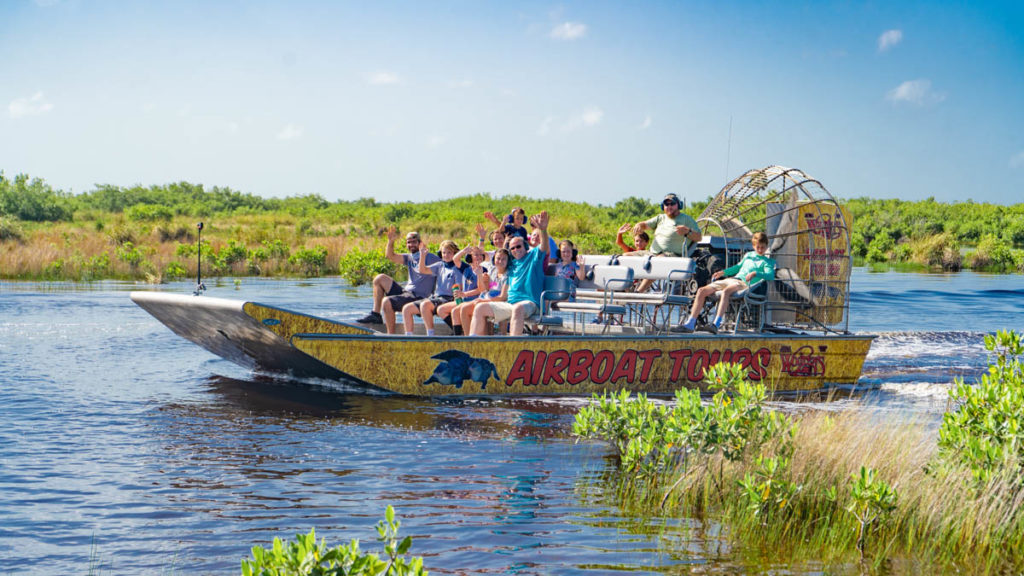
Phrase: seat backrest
{"type": "Point", "coordinates": [613, 277]}
{"type": "Point", "coordinates": [672, 268]}
{"type": "Point", "coordinates": [597, 260]}
{"type": "Point", "coordinates": [658, 267]}
{"type": "Point", "coordinates": [556, 289]}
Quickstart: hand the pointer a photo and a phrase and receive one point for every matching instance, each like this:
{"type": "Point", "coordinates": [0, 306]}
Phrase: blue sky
{"type": "Point", "coordinates": [590, 101]}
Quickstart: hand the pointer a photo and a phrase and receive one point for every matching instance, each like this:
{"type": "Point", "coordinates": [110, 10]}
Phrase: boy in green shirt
{"type": "Point", "coordinates": [753, 268]}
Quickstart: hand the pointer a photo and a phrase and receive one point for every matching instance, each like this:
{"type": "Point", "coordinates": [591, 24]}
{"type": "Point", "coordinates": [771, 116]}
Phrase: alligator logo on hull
{"type": "Point", "coordinates": [456, 367]}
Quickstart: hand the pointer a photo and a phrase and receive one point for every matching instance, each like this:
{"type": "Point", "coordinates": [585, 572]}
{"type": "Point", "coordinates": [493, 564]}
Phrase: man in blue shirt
{"type": "Point", "coordinates": [389, 296]}
{"type": "Point", "coordinates": [525, 283]}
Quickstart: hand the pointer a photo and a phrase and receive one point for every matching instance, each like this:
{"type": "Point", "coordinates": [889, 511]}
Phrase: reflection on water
{"type": "Point", "coordinates": [121, 438]}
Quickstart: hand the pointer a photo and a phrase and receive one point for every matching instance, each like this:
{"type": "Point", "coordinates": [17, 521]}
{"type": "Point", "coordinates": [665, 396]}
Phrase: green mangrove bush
{"type": "Point", "coordinates": [359, 267]}
{"type": "Point", "coordinates": [986, 431]}
{"type": "Point", "coordinates": [836, 485]}
{"type": "Point", "coordinates": [650, 438]}
{"type": "Point", "coordinates": [304, 556]}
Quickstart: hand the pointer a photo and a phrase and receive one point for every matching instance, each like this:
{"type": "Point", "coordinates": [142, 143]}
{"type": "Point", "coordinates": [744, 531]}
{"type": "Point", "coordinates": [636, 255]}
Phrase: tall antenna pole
{"type": "Point", "coordinates": [199, 261]}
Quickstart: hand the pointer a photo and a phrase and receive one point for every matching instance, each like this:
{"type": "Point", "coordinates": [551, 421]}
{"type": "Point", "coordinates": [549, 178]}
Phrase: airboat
{"type": "Point", "coordinates": [790, 334]}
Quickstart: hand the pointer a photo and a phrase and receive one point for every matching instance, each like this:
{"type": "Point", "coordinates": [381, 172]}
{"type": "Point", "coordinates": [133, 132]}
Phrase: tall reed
{"type": "Point", "coordinates": [853, 488]}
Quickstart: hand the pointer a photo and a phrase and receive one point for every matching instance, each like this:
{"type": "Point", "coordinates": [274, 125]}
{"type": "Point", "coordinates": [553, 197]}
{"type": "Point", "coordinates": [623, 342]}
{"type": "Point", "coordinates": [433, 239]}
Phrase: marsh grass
{"type": "Point", "coordinates": [800, 499]}
{"type": "Point", "coordinates": [84, 243]}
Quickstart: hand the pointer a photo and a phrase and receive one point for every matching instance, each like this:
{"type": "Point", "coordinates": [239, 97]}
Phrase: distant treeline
{"type": "Point", "coordinates": [926, 233]}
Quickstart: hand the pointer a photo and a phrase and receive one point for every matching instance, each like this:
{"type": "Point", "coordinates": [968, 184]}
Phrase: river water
{"type": "Point", "coordinates": [127, 450]}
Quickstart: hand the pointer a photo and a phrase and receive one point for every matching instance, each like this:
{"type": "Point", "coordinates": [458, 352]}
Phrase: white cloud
{"type": "Point", "coordinates": [888, 39]}
{"type": "Point", "coordinates": [467, 83]}
{"type": "Point", "coordinates": [436, 142]}
{"type": "Point", "coordinates": [646, 123]}
{"type": "Point", "coordinates": [917, 92]}
{"type": "Point", "coordinates": [569, 31]}
{"type": "Point", "coordinates": [1017, 160]}
{"type": "Point", "coordinates": [383, 78]}
{"type": "Point", "coordinates": [587, 118]}
{"type": "Point", "coordinates": [290, 132]}
{"type": "Point", "coordinates": [592, 116]}
{"type": "Point", "coordinates": [545, 126]}
{"type": "Point", "coordinates": [31, 106]}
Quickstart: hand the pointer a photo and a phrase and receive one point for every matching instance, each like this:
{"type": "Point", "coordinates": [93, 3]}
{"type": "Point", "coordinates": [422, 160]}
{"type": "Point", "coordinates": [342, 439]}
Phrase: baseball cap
{"type": "Point", "coordinates": [671, 197]}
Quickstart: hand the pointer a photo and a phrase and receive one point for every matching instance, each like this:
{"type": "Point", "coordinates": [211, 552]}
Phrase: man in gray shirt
{"type": "Point", "coordinates": [674, 232]}
{"type": "Point", "coordinates": [388, 295]}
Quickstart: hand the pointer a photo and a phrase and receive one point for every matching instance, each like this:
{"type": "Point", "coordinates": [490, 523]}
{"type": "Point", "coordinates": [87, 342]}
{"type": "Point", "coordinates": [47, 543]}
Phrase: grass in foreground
{"type": "Point", "coordinates": [837, 489]}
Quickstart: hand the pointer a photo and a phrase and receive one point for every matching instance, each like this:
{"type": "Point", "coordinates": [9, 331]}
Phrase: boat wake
{"type": "Point", "coordinates": [919, 368]}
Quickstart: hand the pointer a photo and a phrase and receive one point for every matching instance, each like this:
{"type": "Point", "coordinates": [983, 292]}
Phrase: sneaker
{"type": "Point", "coordinates": [712, 328]}
{"type": "Point", "coordinates": [681, 328]}
{"type": "Point", "coordinates": [371, 318]}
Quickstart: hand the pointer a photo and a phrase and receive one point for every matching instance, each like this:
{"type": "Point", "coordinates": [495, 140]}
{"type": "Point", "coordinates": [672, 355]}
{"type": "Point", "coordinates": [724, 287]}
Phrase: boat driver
{"type": "Point", "coordinates": [674, 232]}
{"type": "Point", "coordinates": [388, 295]}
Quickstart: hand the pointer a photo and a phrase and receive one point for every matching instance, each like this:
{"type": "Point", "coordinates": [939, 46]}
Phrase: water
{"type": "Point", "coordinates": [127, 450]}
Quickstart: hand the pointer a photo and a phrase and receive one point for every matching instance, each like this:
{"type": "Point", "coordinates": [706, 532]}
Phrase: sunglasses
{"type": "Point", "coordinates": [668, 203]}
{"type": "Point", "coordinates": [517, 247]}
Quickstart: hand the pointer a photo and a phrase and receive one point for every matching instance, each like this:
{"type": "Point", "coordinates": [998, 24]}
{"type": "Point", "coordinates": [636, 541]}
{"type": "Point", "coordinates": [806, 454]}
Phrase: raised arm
{"type": "Point", "coordinates": [581, 270]}
{"type": "Point", "coordinates": [618, 238]}
{"type": "Point", "coordinates": [389, 250]}
{"type": "Point", "coordinates": [422, 268]}
{"type": "Point", "coordinates": [481, 234]}
{"type": "Point", "coordinates": [492, 218]}
{"type": "Point", "coordinates": [460, 254]}
{"type": "Point", "coordinates": [540, 222]}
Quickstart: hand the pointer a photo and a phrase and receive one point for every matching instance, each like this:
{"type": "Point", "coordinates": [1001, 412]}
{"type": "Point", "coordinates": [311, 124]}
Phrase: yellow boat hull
{"type": "Point", "coordinates": [555, 365]}
{"type": "Point", "coordinates": [272, 339]}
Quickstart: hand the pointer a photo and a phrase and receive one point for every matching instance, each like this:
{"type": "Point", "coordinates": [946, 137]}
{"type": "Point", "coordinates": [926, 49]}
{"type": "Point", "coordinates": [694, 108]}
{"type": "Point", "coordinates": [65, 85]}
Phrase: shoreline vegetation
{"type": "Point", "coordinates": [149, 233]}
{"type": "Point", "coordinates": [833, 490]}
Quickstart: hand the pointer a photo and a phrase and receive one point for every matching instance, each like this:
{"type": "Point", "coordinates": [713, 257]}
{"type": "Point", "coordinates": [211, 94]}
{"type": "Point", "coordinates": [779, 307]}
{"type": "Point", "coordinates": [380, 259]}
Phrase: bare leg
{"type": "Point", "coordinates": [465, 315]}
{"type": "Point", "coordinates": [427, 312]}
{"type": "Point", "coordinates": [481, 313]}
{"type": "Point", "coordinates": [518, 320]}
{"type": "Point", "coordinates": [698, 300]}
{"type": "Point", "coordinates": [408, 311]}
{"type": "Point", "coordinates": [644, 285]}
{"type": "Point", "coordinates": [723, 300]}
{"type": "Point", "coordinates": [389, 316]}
{"type": "Point", "coordinates": [381, 286]}
{"type": "Point", "coordinates": [449, 308]}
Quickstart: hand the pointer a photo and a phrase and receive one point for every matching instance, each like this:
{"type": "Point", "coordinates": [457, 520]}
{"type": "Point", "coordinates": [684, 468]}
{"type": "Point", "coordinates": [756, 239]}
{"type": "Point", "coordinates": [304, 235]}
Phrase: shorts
{"type": "Point", "coordinates": [438, 300]}
{"type": "Point", "coordinates": [399, 300]}
{"type": "Point", "coordinates": [503, 310]}
{"type": "Point", "coordinates": [724, 283]}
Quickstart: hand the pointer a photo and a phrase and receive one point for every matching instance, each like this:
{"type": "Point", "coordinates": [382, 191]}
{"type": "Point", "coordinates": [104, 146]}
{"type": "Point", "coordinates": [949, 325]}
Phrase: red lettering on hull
{"type": "Point", "coordinates": [803, 362]}
{"type": "Point", "coordinates": [632, 367]}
